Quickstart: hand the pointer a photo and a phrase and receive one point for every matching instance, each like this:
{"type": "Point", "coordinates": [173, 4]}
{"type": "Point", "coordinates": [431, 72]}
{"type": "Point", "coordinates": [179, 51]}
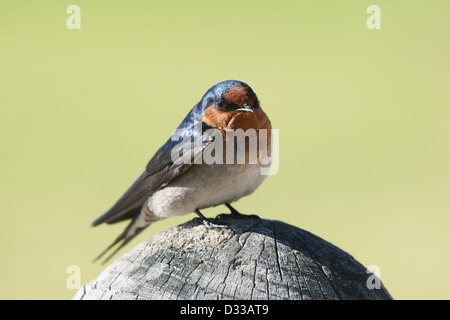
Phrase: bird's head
{"type": "Point", "coordinates": [231, 95]}
{"type": "Point", "coordinates": [232, 105]}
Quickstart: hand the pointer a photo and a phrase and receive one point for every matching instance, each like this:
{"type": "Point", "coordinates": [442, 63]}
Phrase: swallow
{"type": "Point", "coordinates": [169, 187]}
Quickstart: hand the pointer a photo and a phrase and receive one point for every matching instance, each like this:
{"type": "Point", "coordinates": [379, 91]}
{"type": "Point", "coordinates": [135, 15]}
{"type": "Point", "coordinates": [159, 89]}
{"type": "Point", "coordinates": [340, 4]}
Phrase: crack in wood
{"type": "Point", "coordinates": [254, 259]}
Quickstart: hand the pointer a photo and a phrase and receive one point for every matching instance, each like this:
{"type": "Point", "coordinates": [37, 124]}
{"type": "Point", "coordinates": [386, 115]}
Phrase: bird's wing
{"type": "Point", "coordinates": [163, 168]}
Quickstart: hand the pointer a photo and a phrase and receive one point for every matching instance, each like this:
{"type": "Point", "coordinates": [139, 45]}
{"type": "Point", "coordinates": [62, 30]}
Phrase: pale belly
{"type": "Point", "coordinates": [205, 186]}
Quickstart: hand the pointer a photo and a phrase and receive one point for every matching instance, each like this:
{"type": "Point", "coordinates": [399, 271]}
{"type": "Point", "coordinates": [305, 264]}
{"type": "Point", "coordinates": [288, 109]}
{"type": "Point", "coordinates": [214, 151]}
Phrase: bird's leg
{"type": "Point", "coordinates": [237, 214]}
{"type": "Point", "coordinates": [200, 215]}
{"type": "Point", "coordinates": [209, 223]}
{"type": "Point", "coordinates": [233, 210]}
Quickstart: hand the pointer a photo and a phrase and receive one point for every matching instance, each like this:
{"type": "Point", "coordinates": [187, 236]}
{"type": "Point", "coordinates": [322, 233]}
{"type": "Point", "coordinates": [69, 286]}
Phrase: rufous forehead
{"type": "Point", "coordinates": [240, 96]}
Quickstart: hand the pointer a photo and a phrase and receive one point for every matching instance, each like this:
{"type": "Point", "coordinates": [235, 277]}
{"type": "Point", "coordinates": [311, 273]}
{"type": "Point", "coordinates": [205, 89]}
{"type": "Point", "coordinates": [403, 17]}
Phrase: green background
{"type": "Point", "coordinates": [363, 117]}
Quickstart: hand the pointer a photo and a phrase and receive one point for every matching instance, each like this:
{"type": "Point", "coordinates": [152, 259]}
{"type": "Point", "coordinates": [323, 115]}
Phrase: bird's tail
{"type": "Point", "coordinates": [131, 231]}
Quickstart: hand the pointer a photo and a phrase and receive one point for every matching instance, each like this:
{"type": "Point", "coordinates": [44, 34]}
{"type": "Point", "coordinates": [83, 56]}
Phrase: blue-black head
{"type": "Point", "coordinates": [231, 95]}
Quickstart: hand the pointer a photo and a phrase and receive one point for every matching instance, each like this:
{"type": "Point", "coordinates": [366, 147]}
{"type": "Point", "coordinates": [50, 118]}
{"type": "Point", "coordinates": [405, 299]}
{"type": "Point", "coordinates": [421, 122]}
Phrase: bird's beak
{"type": "Point", "coordinates": [245, 109]}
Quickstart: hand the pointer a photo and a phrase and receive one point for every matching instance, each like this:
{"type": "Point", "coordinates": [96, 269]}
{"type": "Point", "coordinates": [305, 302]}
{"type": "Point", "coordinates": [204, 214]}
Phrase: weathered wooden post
{"type": "Point", "coordinates": [252, 259]}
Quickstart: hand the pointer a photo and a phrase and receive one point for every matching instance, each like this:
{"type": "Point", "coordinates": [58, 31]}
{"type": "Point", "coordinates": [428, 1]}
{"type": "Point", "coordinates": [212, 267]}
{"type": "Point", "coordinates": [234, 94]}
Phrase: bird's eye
{"type": "Point", "coordinates": [225, 105]}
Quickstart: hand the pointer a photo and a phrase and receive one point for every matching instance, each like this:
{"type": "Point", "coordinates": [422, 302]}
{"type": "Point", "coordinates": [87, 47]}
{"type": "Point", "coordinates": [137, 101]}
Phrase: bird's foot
{"type": "Point", "coordinates": [210, 224]}
{"type": "Point", "coordinates": [236, 214]}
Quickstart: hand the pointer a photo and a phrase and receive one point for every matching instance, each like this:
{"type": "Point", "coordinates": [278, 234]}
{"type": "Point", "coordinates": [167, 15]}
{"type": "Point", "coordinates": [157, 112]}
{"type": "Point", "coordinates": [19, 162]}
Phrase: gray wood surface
{"type": "Point", "coordinates": [250, 259]}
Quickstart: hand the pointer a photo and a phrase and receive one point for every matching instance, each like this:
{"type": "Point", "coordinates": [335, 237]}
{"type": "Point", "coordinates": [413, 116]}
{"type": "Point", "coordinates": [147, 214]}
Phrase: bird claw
{"type": "Point", "coordinates": [210, 224]}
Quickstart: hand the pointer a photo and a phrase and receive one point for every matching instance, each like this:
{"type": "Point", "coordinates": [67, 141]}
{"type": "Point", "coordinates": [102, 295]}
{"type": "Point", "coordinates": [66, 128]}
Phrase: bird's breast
{"type": "Point", "coordinates": [205, 186]}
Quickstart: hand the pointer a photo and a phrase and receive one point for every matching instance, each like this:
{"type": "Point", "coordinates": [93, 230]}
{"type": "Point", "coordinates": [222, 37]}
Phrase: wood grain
{"type": "Point", "coordinates": [251, 258]}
